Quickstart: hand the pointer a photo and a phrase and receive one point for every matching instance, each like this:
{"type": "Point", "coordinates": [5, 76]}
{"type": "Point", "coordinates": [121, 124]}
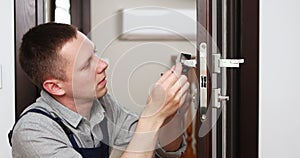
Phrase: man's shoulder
{"type": "Point", "coordinates": [38, 104]}
{"type": "Point", "coordinates": [31, 118]}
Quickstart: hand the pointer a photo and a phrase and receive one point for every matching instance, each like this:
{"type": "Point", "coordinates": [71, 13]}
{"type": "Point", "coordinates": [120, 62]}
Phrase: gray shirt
{"type": "Point", "coordinates": [36, 135]}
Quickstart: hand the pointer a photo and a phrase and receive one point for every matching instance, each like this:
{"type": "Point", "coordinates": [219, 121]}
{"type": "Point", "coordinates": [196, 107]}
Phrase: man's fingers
{"type": "Point", "coordinates": [179, 84]}
{"type": "Point", "coordinates": [178, 69]}
{"type": "Point", "coordinates": [180, 96]}
{"type": "Point", "coordinates": [182, 100]}
{"type": "Point", "coordinates": [184, 103]}
{"type": "Point", "coordinates": [171, 76]}
{"type": "Point", "coordinates": [166, 75]}
{"type": "Point", "coordinates": [183, 89]}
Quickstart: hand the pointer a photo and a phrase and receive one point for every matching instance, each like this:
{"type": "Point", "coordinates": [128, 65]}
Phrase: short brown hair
{"type": "Point", "coordinates": [39, 57]}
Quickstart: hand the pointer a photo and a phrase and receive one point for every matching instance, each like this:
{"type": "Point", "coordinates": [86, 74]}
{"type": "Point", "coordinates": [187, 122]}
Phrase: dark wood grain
{"type": "Point", "coordinates": [25, 18]}
{"type": "Point", "coordinates": [204, 29]}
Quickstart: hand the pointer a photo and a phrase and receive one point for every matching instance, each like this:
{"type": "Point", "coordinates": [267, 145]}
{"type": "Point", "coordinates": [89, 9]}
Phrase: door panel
{"type": "Point", "coordinates": [232, 27]}
{"type": "Point", "coordinates": [25, 18]}
{"type": "Point", "coordinates": [203, 33]}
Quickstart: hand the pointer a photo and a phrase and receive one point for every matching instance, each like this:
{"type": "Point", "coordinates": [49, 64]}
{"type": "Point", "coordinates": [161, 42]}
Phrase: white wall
{"type": "Point", "coordinates": [134, 65]}
{"type": "Point", "coordinates": [7, 98]}
{"type": "Point", "coordinates": [279, 79]}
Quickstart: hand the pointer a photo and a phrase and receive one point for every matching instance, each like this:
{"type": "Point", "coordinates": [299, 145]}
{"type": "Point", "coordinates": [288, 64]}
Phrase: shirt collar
{"type": "Point", "coordinates": [97, 113]}
{"type": "Point", "coordinates": [73, 118]}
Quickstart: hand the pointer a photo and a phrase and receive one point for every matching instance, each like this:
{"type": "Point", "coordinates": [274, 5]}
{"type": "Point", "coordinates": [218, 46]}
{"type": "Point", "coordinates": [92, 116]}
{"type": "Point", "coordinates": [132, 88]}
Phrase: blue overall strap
{"type": "Point", "coordinates": [98, 152]}
{"type": "Point", "coordinates": [104, 130]}
{"type": "Point", "coordinates": [56, 119]}
{"type": "Point", "coordinates": [30, 110]}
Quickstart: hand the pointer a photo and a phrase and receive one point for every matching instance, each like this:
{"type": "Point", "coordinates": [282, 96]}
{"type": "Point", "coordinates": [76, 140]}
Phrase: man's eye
{"type": "Point", "coordinates": [87, 66]}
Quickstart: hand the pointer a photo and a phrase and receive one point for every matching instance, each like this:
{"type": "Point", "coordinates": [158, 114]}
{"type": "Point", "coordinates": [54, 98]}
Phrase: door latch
{"type": "Point", "coordinates": [218, 63]}
{"type": "Point", "coordinates": [217, 98]}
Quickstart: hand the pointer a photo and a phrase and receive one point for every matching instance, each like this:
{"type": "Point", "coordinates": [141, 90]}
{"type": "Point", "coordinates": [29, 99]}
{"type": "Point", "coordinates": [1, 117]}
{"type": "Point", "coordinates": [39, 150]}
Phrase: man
{"type": "Point", "coordinates": [75, 116]}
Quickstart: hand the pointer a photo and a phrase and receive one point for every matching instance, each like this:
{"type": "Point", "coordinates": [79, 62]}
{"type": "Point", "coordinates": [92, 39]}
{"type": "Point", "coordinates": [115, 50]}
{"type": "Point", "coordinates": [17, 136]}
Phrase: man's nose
{"type": "Point", "coordinates": [101, 66]}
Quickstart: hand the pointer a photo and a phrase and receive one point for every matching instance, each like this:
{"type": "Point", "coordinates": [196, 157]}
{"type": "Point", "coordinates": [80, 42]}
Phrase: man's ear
{"type": "Point", "coordinates": [54, 87]}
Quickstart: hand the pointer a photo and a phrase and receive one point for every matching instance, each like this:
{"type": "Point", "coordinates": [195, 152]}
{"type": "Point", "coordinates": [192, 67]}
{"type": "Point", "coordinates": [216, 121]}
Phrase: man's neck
{"type": "Point", "coordinates": [84, 109]}
{"type": "Point", "coordinates": [81, 107]}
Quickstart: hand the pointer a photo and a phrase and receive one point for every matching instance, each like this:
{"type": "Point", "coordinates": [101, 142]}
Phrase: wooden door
{"type": "Point", "coordinates": [204, 30]}
{"type": "Point", "coordinates": [28, 13]}
{"type": "Point", "coordinates": [235, 23]}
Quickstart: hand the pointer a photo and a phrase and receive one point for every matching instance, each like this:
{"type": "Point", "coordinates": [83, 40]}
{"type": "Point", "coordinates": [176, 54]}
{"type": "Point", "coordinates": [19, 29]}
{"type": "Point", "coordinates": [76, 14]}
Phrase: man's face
{"type": "Point", "coordinates": [86, 78]}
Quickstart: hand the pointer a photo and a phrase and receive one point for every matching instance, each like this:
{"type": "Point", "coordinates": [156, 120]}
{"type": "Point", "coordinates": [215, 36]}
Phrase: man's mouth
{"type": "Point", "coordinates": [103, 81]}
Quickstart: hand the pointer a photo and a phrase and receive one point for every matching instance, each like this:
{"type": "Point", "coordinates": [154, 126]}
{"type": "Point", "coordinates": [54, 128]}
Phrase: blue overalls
{"type": "Point", "coordinates": [100, 152]}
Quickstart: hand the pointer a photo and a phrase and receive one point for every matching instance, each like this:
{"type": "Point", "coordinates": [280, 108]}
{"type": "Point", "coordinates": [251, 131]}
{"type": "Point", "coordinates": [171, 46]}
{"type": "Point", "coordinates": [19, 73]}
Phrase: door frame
{"type": "Point", "coordinates": [243, 83]}
{"type": "Point", "coordinates": [28, 13]}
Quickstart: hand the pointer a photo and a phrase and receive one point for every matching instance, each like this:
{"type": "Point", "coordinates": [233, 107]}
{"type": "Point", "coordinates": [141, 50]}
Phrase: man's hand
{"type": "Point", "coordinates": [167, 95]}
